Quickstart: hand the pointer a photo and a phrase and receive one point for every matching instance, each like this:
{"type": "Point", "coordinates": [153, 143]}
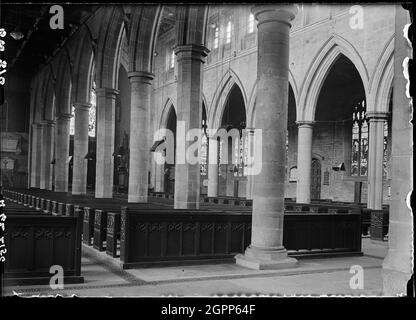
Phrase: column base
{"type": "Point", "coordinates": [395, 282]}
{"type": "Point", "coordinates": [103, 196]}
{"type": "Point", "coordinates": [79, 193]}
{"type": "Point", "coordinates": [186, 205]}
{"type": "Point", "coordinates": [259, 259]}
{"type": "Point", "coordinates": [137, 199]}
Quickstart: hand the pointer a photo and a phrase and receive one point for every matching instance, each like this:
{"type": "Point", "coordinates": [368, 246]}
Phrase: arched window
{"type": "Point", "coordinates": [92, 112]}
{"type": "Point", "coordinates": [91, 115]}
{"type": "Point", "coordinates": [72, 122]}
{"type": "Point", "coordinates": [172, 59]}
{"type": "Point", "coordinates": [216, 37]}
{"type": "Point", "coordinates": [228, 32]}
{"type": "Point", "coordinates": [250, 28]}
{"type": "Point", "coordinates": [240, 151]}
{"type": "Point", "coordinates": [359, 158]}
{"type": "Point", "coordinates": [204, 150]}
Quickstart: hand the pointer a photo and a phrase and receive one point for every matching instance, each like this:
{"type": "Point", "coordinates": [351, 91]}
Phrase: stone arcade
{"type": "Point", "coordinates": [328, 97]}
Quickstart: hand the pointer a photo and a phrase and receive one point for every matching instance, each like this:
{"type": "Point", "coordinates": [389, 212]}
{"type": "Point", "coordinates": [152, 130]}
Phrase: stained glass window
{"type": "Point", "coordinates": [72, 122]}
{"type": "Point", "coordinates": [241, 152]}
{"type": "Point", "coordinates": [359, 158]}
{"type": "Point", "coordinates": [204, 153]}
{"type": "Point", "coordinates": [239, 156]}
{"type": "Point", "coordinates": [91, 116]}
{"type": "Point", "coordinates": [92, 112]}
{"type": "Point", "coordinates": [385, 145]}
{"type": "Point", "coordinates": [241, 146]}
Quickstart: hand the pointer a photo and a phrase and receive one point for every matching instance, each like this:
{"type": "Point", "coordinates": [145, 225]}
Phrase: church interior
{"type": "Point", "coordinates": [202, 149]}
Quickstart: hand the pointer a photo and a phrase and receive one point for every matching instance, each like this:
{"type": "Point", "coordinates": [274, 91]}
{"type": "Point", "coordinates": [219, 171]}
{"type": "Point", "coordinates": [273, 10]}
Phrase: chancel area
{"type": "Point", "coordinates": [267, 143]}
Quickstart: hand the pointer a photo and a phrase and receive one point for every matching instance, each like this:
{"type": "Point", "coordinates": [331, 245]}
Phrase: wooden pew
{"type": "Point", "coordinates": [154, 237]}
{"type": "Point", "coordinates": [12, 208]}
{"type": "Point", "coordinates": [35, 243]}
{"type": "Point", "coordinates": [365, 221]}
{"type": "Point", "coordinates": [113, 233]}
{"type": "Point", "coordinates": [100, 229]}
{"type": "Point", "coordinates": [379, 224]}
{"type": "Point", "coordinates": [102, 224]}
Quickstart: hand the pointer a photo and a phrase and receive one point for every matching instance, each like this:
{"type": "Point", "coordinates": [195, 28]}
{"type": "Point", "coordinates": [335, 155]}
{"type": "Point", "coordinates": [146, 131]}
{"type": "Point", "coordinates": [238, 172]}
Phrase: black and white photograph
{"type": "Point", "coordinates": [206, 150]}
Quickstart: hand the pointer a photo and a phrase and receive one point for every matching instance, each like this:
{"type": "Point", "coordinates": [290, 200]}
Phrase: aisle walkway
{"type": "Point", "coordinates": [312, 277]}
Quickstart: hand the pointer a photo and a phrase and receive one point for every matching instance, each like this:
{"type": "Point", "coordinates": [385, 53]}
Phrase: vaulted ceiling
{"type": "Point", "coordinates": [39, 41]}
{"type": "Point", "coordinates": [168, 19]}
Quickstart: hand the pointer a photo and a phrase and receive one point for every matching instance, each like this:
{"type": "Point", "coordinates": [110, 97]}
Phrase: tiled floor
{"type": "Point", "coordinates": [330, 276]}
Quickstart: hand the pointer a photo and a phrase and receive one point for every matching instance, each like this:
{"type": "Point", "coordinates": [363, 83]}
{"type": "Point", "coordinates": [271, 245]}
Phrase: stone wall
{"type": "Point", "coordinates": [314, 29]}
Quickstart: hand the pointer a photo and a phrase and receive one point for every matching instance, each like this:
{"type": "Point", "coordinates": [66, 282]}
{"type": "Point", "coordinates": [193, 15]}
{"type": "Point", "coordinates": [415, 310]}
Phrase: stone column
{"type": "Point", "coordinates": [375, 159]}
{"type": "Point", "coordinates": [160, 178]}
{"type": "Point", "coordinates": [266, 250]}
{"type": "Point", "coordinates": [250, 159]}
{"type": "Point", "coordinates": [106, 103]}
{"type": "Point", "coordinates": [36, 155]}
{"type": "Point", "coordinates": [62, 152]}
{"type": "Point", "coordinates": [397, 265]}
{"type": "Point", "coordinates": [187, 176]}
{"type": "Point", "coordinates": [48, 127]}
{"type": "Point", "coordinates": [141, 85]}
{"type": "Point", "coordinates": [80, 164]}
{"type": "Point", "coordinates": [213, 167]}
{"type": "Point", "coordinates": [303, 188]}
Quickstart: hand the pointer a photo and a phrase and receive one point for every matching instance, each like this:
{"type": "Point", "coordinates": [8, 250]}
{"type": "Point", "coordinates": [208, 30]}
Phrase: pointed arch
{"type": "Point", "coordinates": [145, 21]}
{"type": "Point", "coordinates": [83, 68]}
{"type": "Point", "coordinates": [108, 49]}
{"type": "Point", "coordinates": [34, 88]}
{"type": "Point", "coordinates": [49, 100]}
{"type": "Point", "coordinates": [320, 67]}
{"type": "Point", "coordinates": [37, 100]}
{"type": "Point", "coordinates": [221, 94]}
{"type": "Point", "coordinates": [382, 80]}
{"type": "Point", "coordinates": [165, 113]}
{"type": "Point", "coordinates": [63, 84]}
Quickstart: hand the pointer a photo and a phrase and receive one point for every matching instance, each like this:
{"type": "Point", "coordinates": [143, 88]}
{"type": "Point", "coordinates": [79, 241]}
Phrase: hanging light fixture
{"type": "Point", "coordinates": [16, 34]}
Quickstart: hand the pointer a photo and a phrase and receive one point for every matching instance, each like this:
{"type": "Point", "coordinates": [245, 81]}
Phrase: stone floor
{"type": "Point", "coordinates": [329, 276]}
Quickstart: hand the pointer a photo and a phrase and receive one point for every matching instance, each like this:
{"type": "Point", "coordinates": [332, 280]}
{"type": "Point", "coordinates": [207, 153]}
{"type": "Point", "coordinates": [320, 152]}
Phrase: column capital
{"type": "Point", "coordinates": [305, 123]}
{"type": "Point", "coordinates": [64, 116]}
{"type": "Point", "coordinates": [376, 115]}
{"type": "Point", "coordinates": [275, 12]}
{"type": "Point", "coordinates": [48, 123]}
{"type": "Point", "coordinates": [107, 92]}
{"type": "Point", "coordinates": [141, 76]}
{"type": "Point", "coordinates": [37, 125]}
{"type": "Point", "coordinates": [191, 51]}
{"type": "Point", "coordinates": [82, 106]}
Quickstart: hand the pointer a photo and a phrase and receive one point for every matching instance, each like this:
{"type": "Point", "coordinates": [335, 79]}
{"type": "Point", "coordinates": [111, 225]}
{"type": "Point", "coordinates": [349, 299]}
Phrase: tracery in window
{"type": "Point", "coordinates": [359, 159]}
